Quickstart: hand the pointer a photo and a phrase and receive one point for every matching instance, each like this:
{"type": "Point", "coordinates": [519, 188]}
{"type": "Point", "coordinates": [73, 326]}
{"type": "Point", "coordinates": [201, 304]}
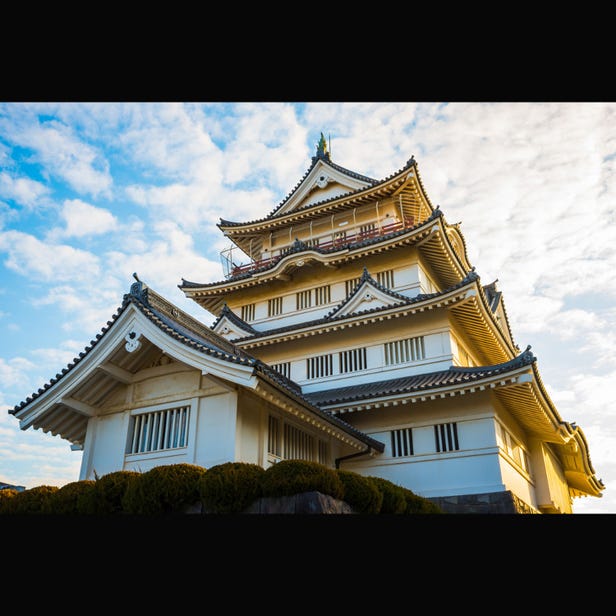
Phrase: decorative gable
{"type": "Point", "coordinates": [323, 181]}
{"type": "Point", "coordinates": [368, 295]}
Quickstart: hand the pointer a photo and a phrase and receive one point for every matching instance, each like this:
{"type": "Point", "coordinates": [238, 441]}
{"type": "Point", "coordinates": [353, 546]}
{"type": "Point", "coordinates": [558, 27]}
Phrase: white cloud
{"type": "Point", "coordinates": [14, 372]}
{"type": "Point", "coordinates": [23, 190]}
{"type": "Point", "coordinates": [31, 257]}
{"type": "Point", "coordinates": [61, 152]}
{"type": "Point", "coordinates": [81, 219]}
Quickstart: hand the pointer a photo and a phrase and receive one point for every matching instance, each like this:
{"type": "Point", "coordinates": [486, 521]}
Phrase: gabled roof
{"type": "Point", "coordinates": [230, 321]}
{"type": "Point", "coordinates": [145, 315]}
{"type": "Point", "coordinates": [369, 184]}
{"type": "Point", "coordinates": [342, 312]}
{"type": "Point", "coordinates": [367, 290]}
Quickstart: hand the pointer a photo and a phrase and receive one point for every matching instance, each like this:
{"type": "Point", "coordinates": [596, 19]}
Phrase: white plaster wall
{"type": "Point", "coordinates": [105, 453]}
{"type": "Point", "coordinates": [476, 468]}
{"type": "Point", "coordinates": [216, 430]}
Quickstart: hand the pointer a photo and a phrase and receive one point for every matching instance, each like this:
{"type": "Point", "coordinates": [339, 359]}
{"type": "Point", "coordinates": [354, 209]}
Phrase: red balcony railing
{"type": "Point", "coordinates": [339, 242]}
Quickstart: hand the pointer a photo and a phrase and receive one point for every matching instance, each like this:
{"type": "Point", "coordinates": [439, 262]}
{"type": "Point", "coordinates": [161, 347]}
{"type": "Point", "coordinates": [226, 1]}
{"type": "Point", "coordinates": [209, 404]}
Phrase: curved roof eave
{"type": "Point", "coordinates": [228, 224]}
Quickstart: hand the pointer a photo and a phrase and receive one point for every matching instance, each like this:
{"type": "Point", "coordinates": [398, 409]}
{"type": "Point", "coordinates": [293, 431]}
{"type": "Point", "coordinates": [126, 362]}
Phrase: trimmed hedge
{"type": "Point", "coordinates": [419, 504]}
{"type": "Point", "coordinates": [394, 500]}
{"type": "Point", "coordinates": [360, 492]}
{"type": "Point", "coordinates": [163, 489]}
{"type": "Point", "coordinates": [290, 477]}
{"type": "Point", "coordinates": [109, 491]}
{"type": "Point", "coordinates": [6, 498]}
{"type": "Point", "coordinates": [72, 498]}
{"type": "Point", "coordinates": [32, 501]}
{"type": "Point", "coordinates": [230, 487]}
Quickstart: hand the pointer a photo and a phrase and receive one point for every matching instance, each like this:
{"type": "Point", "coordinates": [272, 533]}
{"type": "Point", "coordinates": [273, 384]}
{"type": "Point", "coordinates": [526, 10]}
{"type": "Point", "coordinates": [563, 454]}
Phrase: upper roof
{"type": "Point", "coordinates": [144, 313]}
{"type": "Point", "coordinates": [326, 182]}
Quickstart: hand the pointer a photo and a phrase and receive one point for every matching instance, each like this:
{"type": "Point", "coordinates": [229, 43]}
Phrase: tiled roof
{"type": "Point", "coordinates": [418, 382]}
{"type": "Point", "coordinates": [272, 214]}
{"type": "Point", "coordinates": [227, 312]}
{"type": "Point", "coordinates": [187, 330]}
{"type": "Point", "coordinates": [401, 300]}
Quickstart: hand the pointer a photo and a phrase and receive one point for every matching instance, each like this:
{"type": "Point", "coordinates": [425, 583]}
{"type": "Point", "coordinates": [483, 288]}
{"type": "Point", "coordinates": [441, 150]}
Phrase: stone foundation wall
{"type": "Point", "coordinates": [492, 502]}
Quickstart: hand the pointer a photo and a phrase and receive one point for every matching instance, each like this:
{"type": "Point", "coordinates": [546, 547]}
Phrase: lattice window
{"type": "Point", "coordinates": [274, 439]}
{"type": "Point", "coordinates": [159, 430]}
{"type": "Point", "coordinates": [322, 295]}
{"type": "Point", "coordinates": [353, 360]}
{"type": "Point", "coordinates": [274, 306]}
{"type": "Point", "coordinates": [323, 453]}
{"type": "Point", "coordinates": [513, 448]}
{"type": "Point", "coordinates": [402, 351]}
{"type": "Point", "coordinates": [319, 366]}
{"type": "Point", "coordinates": [298, 445]}
{"type": "Point", "coordinates": [304, 299]}
{"type": "Point", "coordinates": [284, 368]}
{"type": "Point", "coordinates": [349, 285]}
{"type": "Point", "coordinates": [446, 437]}
{"type": "Point", "coordinates": [402, 442]}
{"type": "Point", "coordinates": [386, 278]}
{"type": "Point", "coordinates": [248, 312]}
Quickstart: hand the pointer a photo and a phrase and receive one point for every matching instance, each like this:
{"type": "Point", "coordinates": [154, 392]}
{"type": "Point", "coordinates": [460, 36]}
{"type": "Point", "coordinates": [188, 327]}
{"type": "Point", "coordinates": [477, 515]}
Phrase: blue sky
{"type": "Point", "coordinates": [92, 192]}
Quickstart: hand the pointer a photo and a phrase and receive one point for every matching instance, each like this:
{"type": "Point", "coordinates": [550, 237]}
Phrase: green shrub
{"type": "Point", "coordinates": [394, 500]}
{"type": "Point", "coordinates": [109, 491]}
{"type": "Point", "coordinates": [290, 477]}
{"type": "Point", "coordinates": [72, 498]}
{"type": "Point", "coordinates": [418, 504]}
{"type": "Point", "coordinates": [6, 499]}
{"type": "Point", "coordinates": [360, 492]}
{"type": "Point", "coordinates": [230, 487]}
{"type": "Point", "coordinates": [163, 489]}
{"type": "Point", "coordinates": [32, 501]}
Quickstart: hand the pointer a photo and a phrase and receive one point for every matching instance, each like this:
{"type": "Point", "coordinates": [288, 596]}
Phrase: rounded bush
{"type": "Point", "coordinates": [163, 489]}
{"type": "Point", "coordinates": [419, 504]}
{"type": "Point", "coordinates": [394, 500]}
{"type": "Point", "coordinates": [290, 477]}
{"type": "Point", "coordinates": [360, 492]}
{"type": "Point", "coordinates": [109, 491]}
{"type": "Point", "coordinates": [72, 499]}
{"type": "Point", "coordinates": [230, 487]}
{"type": "Point", "coordinates": [33, 501]}
{"type": "Point", "coordinates": [6, 499]}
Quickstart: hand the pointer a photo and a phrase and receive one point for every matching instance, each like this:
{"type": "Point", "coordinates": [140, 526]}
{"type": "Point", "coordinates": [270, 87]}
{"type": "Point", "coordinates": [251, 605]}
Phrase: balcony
{"type": "Point", "coordinates": [337, 241]}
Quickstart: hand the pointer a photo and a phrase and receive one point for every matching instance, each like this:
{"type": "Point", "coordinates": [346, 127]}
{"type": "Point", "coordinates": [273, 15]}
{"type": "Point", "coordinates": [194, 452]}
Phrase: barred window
{"type": "Point", "coordinates": [402, 442]}
{"type": "Point", "coordinates": [353, 360]}
{"type": "Point", "coordinates": [319, 366]}
{"type": "Point", "coordinates": [349, 285]}
{"type": "Point", "coordinates": [402, 351]}
{"type": "Point", "coordinates": [274, 438]}
{"type": "Point", "coordinates": [304, 299]}
{"type": "Point", "coordinates": [322, 295]}
{"type": "Point", "coordinates": [284, 368]}
{"type": "Point", "coordinates": [386, 278]}
{"type": "Point", "coordinates": [446, 437]}
{"type": "Point", "coordinates": [158, 430]}
{"type": "Point", "coordinates": [248, 312]}
{"type": "Point", "coordinates": [274, 306]}
{"type": "Point", "coordinates": [288, 442]}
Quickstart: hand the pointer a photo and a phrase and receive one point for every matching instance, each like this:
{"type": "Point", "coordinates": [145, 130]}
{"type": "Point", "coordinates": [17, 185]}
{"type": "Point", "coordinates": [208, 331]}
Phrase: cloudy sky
{"type": "Point", "coordinates": [90, 193]}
